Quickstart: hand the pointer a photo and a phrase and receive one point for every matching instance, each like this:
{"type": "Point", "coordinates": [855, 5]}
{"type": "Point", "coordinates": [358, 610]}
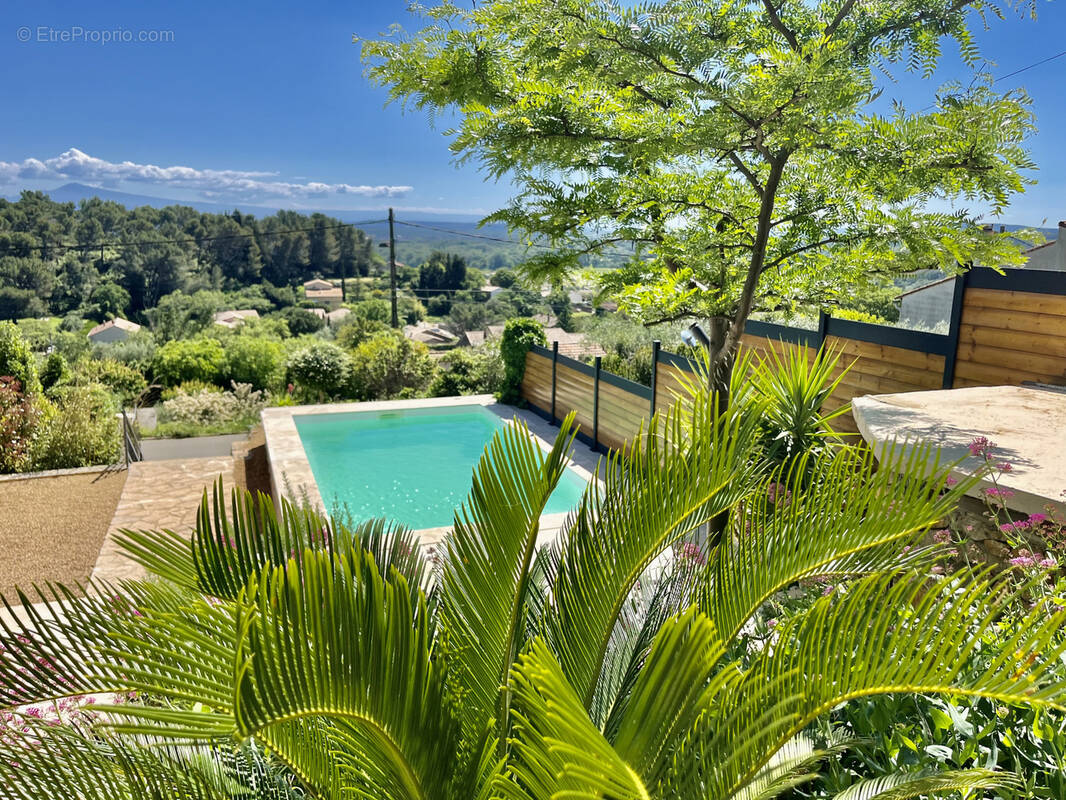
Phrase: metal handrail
{"type": "Point", "coordinates": [131, 441]}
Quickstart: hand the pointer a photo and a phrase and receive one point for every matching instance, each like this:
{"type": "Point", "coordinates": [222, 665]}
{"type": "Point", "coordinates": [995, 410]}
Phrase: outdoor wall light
{"type": "Point", "coordinates": [695, 336]}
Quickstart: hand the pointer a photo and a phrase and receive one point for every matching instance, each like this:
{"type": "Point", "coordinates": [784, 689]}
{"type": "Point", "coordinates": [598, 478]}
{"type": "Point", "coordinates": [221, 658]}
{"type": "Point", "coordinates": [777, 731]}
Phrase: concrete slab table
{"type": "Point", "coordinates": [1028, 426]}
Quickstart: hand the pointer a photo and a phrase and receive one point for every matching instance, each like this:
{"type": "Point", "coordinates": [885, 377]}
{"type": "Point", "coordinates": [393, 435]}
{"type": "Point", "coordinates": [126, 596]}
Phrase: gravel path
{"type": "Point", "coordinates": [51, 529]}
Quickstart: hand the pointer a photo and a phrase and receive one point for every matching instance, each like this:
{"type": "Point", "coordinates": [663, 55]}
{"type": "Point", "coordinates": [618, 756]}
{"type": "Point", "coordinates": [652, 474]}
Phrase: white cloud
{"type": "Point", "coordinates": [209, 183]}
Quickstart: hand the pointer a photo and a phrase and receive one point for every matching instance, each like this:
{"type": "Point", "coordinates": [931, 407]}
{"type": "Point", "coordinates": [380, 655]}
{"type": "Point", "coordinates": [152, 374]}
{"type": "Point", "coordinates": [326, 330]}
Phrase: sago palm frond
{"type": "Point", "coordinates": [56, 762]}
{"type": "Point", "coordinates": [887, 633]}
{"type": "Point", "coordinates": [328, 636]}
{"type": "Point", "coordinates": [556, 750]}
{"type": "Point", "coordinates": [653, 602]}
{"type": "Point", "coordinates": [153, 638]}
{"type": "Point", "coordinates": [228, 546]}
{"type": "Point", "coordinates": [691, 465]}
{"type": "Point", "coordinates": [846, 515]}
{"type": "Point", "coordinates": [487, 572]}
{"type": "Point", "coordinates": [928, 784]}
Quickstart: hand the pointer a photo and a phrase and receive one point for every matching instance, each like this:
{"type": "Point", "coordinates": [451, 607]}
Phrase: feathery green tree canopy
{"type": "Point", "coordinates": [741, 148]}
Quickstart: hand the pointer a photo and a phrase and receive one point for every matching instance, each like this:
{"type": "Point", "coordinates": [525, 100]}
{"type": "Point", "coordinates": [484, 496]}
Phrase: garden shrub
{"type": "Point", "coordinates": [374, 309]}
{"type": "Point", "coordinates": [136, 351]}
{"type": "Point", "coordinates": [518, 336]}
{"type": "Point", "coordinates": [254, 361]}
{"type": "Point", "coordinates": [20, 417]}
{"type": "Point", "coordinates": [320, 370]}
{"type": "Point", "coordinates": [17, 360]}
{"type": "Point", "coordinates": [82, 432]}
{"type": "Point", "coordinates": [357, 330]}
{"type": "Point", "coordinates": [126, 382]}
{"type": "Point", "coordinates": [389, 364]}
{"type": "Point", "coordinates": [469, 370]}
{"type": "Point", "coordinates": [301, 321]}
{"type": "Point", "coordinates": [189, 360]}
{"type": "Point", "coordinates": [206, 409]}
{"type": "Point", "coordinates": [54, 370]}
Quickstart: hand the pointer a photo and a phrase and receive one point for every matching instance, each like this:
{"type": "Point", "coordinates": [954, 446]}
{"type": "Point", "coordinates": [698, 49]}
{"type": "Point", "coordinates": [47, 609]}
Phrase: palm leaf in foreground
{"type": "Point", "coordinates": [486, 576]}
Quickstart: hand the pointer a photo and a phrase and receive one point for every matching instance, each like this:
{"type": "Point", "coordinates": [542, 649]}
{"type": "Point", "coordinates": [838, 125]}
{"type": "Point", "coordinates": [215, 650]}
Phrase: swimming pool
{"type": "Point", "coordinates": [414, 465]}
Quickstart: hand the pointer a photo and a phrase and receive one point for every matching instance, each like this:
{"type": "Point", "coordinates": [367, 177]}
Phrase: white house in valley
{"type": "Point", "coordinates": [114, 330]}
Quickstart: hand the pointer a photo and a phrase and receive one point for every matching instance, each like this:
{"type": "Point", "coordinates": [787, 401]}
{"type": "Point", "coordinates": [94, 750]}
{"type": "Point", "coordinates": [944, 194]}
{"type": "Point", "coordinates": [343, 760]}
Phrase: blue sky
{"type": "Point", "coordinates": [260, 100]}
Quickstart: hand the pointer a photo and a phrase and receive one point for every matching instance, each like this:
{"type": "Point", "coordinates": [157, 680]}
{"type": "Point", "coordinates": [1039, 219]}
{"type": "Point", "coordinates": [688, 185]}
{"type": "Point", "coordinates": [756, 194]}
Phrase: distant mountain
{"type": "Point", "coordinates": [1048, 233]}
{"type": "Point", "coordinates": [425, 233]}
{"type": "Point", "coordinates": [76, 192]}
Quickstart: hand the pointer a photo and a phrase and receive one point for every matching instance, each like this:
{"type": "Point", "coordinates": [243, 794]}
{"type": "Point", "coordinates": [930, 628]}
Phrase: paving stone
{"type": "Point", "coordinates": [158, 495]}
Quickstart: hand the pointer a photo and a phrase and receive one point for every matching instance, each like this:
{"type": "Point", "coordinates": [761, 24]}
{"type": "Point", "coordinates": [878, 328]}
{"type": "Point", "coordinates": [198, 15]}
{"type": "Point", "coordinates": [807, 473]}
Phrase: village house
{"type": "Point", "coordinates": [236, 317]}
{"type": "Point", "coordinates": [323, 293]}
{"type": "Point", "coordinates": [114, 330]}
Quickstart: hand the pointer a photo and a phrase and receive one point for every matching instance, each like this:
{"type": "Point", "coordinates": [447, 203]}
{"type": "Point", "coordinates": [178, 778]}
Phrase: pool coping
{"type": "Point", "coordinates": [290, 471]}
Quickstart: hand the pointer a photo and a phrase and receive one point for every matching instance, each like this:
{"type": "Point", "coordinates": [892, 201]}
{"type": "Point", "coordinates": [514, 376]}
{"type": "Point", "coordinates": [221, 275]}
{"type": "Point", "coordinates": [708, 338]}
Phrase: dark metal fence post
{"type": "Point", "coordinates": [958, 300]}
{"type": "Point", "coordinates": [555, 362]}
{"type": "Point", "coordinates": [654, 374]}
{"type": "Point", "coordinates": [823, 327]}
{"type": "Point", "coordinates": [596, 404]}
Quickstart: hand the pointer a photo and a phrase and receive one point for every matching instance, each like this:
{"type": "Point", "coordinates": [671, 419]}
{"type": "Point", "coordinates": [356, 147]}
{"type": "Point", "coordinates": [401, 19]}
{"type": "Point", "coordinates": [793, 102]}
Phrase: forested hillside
{"type": "Point", "coordinates": [100, 258]}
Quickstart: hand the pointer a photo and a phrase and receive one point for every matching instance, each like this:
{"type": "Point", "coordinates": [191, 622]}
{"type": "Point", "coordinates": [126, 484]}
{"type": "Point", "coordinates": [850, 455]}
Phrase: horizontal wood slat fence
{"type": "Point", "coordinates": [1003, 329]}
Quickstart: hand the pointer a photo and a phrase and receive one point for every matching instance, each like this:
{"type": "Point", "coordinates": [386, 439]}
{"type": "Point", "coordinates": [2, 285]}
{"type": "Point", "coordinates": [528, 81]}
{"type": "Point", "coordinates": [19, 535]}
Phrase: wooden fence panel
{"type": "Point", "coordinates": [574, 393]}
{"type": "Point", "coordinates": [536, 384]}
{"type": "Point", "coordinates": [1011, 337]}
{"type": "Point", "coordinates": [1004, 329]}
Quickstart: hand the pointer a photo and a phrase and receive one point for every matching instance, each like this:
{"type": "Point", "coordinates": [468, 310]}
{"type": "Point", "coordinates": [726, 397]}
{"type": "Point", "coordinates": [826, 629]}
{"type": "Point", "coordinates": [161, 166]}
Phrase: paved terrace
{"type": "Point", "coordinates": [1028, 426]}
{"type": "Point", "coordinates": [158, 495]}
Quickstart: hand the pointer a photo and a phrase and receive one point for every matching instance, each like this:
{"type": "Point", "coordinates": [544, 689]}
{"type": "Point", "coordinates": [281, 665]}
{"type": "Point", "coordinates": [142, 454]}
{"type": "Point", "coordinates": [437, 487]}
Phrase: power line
{"type": "Point", "coordinates": [1034, 64]}
{"type": "Point", "coordinates": [1018, 71]}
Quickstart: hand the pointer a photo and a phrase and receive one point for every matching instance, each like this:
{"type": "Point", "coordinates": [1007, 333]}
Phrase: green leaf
{"type": "Point", "coordinates": [328, 637]}
{"type": "Point", "coordinates": [486, 576]}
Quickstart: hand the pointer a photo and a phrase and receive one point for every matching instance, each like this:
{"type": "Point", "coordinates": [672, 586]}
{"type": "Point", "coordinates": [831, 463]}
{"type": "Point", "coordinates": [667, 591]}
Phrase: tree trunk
{"type": "Point", "coordinates": [720, 359]}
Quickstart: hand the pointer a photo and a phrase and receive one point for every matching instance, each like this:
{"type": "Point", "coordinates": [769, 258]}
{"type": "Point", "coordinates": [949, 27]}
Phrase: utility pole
{"type": "Point", "coordinates": [392, 271]}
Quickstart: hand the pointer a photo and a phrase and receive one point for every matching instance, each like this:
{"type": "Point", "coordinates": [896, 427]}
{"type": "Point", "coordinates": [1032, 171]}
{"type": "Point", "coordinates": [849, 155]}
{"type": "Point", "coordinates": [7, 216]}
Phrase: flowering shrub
{"type": "Point", "coordinates": [211, 409]}
{"type": "Point", "coordinates": [19, 419]}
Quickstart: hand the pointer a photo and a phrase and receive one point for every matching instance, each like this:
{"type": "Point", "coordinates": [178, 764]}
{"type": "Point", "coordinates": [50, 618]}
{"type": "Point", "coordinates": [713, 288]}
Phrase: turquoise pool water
{"type": "Point", "coordinates": [414, 466]}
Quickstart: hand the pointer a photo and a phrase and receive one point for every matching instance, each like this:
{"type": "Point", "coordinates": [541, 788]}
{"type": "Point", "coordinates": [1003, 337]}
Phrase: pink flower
{"type": "Point", "coordinates": [771, 623]}
{"type": "Point", "coordinates": [778, 492]}
{"type": "Point", "coordinates": [1007, 527]}
{"type": "Point", "coordinates": [1047, 562]}
{"type": "Point", "coordinates": [950, 480]}
{"type": "Point", "coordinates": [981, 446]}
{"type": "Point", "coordinates": [828, 590]}
{"type": "Point", "coordinates": [1036, 519]}
{"type": "Point", "coordinates": [689, 551]}
{"type": "Point", "coordinates": [1002, 494]}
{"type": "Point", "coordinates": [942, 536]}
{"type": "Point", "coordinates": [1004, 466]}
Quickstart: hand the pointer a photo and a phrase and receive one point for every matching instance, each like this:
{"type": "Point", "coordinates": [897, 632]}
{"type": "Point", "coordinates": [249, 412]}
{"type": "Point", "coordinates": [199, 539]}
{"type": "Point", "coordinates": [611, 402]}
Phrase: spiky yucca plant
{"type": "Point", "coordinates": [616, 663]}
